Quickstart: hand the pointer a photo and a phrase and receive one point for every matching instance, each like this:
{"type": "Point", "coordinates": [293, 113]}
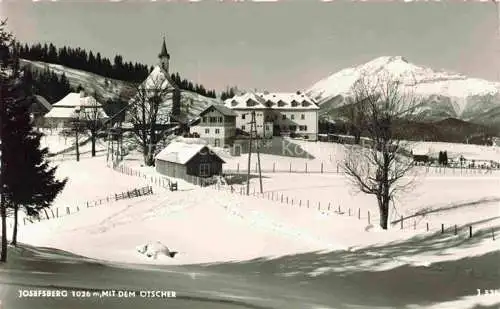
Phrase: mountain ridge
{"type": "Point", "coordinates": [446, 94]}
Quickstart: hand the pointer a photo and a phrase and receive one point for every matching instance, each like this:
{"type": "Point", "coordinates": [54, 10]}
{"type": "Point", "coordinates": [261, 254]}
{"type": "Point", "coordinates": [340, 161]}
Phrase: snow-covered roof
{"type": "Point", "coordinates": [181, 150]}
{"type": "Point", "coordinates": [75, 99]}
{"type": "Point", "coordinates": [277, 100]}
{"type": "Point", "coordinates": [65, 108]}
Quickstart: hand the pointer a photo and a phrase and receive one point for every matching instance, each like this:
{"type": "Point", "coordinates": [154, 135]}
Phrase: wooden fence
{"type": "Point", "coordinates": [333, 208]}
{"type": "Point", "coordinates": [332, 168]}
{"type": "Point", "coordinates": [57, 213]}
{"type": "Point", "coordinates": [163, 181]}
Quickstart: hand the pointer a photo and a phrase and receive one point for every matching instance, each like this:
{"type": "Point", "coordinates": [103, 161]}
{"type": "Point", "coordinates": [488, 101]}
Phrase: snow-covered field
{"type": "Point", "coordinates": [236, 227]}
{"type": "Point", "coordinates": [214, 226]}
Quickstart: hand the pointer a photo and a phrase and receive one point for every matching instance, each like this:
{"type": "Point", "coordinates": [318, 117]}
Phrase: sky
{"type": "Point", "coordinates": [279, 46]}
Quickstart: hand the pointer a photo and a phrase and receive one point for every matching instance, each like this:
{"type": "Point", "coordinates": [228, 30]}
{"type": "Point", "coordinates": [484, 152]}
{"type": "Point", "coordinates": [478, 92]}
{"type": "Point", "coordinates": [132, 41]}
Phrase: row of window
{"type": "Point", "coordinates": [213, 119]}
{"type": "Point", "coordinates": [294, 128]}
{"type": "Point", "coordinates": [207, 131]}
{"type": "Point", "coordinates": [269, 118]}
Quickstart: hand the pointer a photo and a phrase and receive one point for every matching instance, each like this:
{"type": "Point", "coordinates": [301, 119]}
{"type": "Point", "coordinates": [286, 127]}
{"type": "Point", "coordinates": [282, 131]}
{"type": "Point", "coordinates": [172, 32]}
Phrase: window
{"type": "Point", "coordinates": [213, 119]}
{"type": "Point", "coordinates": [284, 117]}
{"type": "Point", "coordinates": [217, 131]}
{"type": "Point", "coordinates": [205, 119]}
{"type": "Point", "coordinates": [243, 128]}
{"type": "Point", "coordinates": [242, 116]}
{"type": "Point", "coordinates": [302, 116]}
{"type": "Point", "coordinates": [293, 128]}
{"type": "Point", "coordinates": [292, 116]}
{"type": "Point", "coordinates": [221, 120]}
{"type": "Point", "coordinates": [204, 169]}
{"type": "Point", "coordinates": [207, 131]}
{"type": "Point", "coordinates": [305, 128]}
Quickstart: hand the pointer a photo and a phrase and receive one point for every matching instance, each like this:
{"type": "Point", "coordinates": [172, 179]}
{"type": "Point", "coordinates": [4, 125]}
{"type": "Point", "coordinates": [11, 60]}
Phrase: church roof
{"type": "Point", "coordinates": [164, 52]}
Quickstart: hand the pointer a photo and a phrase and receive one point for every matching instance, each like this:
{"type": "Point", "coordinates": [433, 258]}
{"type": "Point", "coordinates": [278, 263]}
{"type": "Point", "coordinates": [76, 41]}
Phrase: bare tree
{"type": "Point", "coordinates": [382, 168]}
{"type": "Point", "coordinates": [92, 118]}
{"type": "Point", "coordinates": [149, 119]}
{"type": "Point", "coordinates": [353, 111]}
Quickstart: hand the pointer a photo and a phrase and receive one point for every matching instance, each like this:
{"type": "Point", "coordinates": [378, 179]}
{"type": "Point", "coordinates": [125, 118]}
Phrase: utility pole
{"type": "Point", "coordinates": [253, 130]}
{"type": "Point", "coordinates": [250, 154]}
{"type": "Point", "coordinates": [497, 45]}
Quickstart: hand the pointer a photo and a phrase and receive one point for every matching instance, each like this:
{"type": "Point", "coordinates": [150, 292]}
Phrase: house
{"type": "Point", "coordinates": [188, 159]}
{"type": "Point", "coordinates": [39, 108]}
{"type": "Point", "coordinates": [64, 112]}
{"type": "Point", "coordinates": [216, 125]}
{"type": "Point", "coordinates": [276, 114]}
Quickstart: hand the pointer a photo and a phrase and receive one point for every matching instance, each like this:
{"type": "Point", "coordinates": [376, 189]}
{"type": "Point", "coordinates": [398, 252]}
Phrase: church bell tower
{"type": "Point", "coordinates": [164, 57]}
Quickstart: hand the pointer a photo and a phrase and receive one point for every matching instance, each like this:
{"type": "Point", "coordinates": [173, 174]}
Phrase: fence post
{"type": "Point", "coordinates": [321, 167]}
{"type": "Point", "coordinates": [319, 205]}
{"type": "Point", "coordinates": [359, 213]}
{"type": "Point", "coordinates": [57, 212]}
{"type": "Point", "coordinates": [68, 211]}
{"type": "Point", "coordinates": [256, 167]}
{"type": "Point", "coordinates": [470, 231]}
{"type": "Point", "coordinates": [290, 167]}
{"type": "Point", "coordinates": [274, 167]}
{"type": "Point", "coordinates": [337, 168]}
{"type": "Point", "coordinates": [349, 212]}
{"type": "Point", "coordinates": [116, 197]}
{"type": "Point", "coordinates": [306, 167]}
{"type": "Point", "coordinates": [238, 168]}
{"type": "Point", "coordinates": [307, 203]}
{"type": "Point", "coordinates": [442, 228]}
{"type": "Point", "coordinates": [368, 217]}
{"type": "Point", "coordinates": [287, 200]}
{"type": "Point", "coordinates": [300, 203]}
{"type": "Point", "coordinates": [339, 209]}
{"type": "Point", "coordinates": [282, 197]}
{"type": "Point", "coordinates": [401, 222]}
{"type": "Point", "coordinates": [427, 224]}
{"type": "Point", "coordinates": [329, 206]}
{"type": "Point", "coordinates": [456, 231]}
{"type": "Point", "coordinates": [414, 224]}
{"type": "Point", "coordinates": [88, 204]}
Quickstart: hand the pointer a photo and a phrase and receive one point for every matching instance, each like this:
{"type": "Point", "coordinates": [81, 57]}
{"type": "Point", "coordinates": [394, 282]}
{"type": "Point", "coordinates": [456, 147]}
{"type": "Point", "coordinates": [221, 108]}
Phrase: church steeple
{"type": "Point", "coordinates": [164, 56]}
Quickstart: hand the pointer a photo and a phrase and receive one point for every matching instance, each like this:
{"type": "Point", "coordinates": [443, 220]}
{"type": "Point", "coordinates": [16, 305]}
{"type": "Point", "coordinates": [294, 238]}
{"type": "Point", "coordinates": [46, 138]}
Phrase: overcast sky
{"type": "Point", "coordinates": [283, 46]}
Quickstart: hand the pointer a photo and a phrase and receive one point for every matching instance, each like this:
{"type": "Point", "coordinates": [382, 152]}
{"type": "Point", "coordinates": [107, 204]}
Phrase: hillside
{"type": "Point", "coordinates": [445, 94]}
{"type": "Point", "coordinates": [105, 88]}
{"type": "Point", "coordinates": [111, 89]}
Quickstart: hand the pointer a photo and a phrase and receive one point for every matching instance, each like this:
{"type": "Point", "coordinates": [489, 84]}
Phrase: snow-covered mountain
{"type": "Point", "coordinates": [447, 94]}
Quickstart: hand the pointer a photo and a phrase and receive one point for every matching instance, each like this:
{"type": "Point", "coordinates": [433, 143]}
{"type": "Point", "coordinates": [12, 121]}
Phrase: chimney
{"type": "Point", "coordinates": [82, 93]}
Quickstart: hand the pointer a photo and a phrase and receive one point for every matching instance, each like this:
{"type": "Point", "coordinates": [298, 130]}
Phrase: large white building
{"type": "Point", "coordinates": [277, 114]}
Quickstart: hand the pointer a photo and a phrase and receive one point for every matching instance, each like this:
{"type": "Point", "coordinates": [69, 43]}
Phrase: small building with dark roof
{"type": "Point", "coordinates": [188, 159]}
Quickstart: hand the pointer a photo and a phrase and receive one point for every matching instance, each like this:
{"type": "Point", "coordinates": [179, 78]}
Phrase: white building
{"type": "Point", "coordinates": [277, 114]}
{"type": "Point", "coordinates": [217, 125]}
{"type": "Point", "coordinates": [63, 113]}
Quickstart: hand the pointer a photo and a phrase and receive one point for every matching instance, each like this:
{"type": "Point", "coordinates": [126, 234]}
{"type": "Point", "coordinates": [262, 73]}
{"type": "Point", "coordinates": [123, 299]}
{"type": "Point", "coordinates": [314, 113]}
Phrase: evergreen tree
{"type": "Point", "coordinates": [27, 179]}
{"type": "Point", "coordinates": [176, 102]}
{"type": "Point", "coordinates": [445, 158]}
{"type": "Point", "coordinates": [7, 93]}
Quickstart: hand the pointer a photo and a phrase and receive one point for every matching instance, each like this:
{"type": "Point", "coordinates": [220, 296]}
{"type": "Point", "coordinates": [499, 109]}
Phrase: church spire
{"type": "Point", "coordinates": [164, 52]}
